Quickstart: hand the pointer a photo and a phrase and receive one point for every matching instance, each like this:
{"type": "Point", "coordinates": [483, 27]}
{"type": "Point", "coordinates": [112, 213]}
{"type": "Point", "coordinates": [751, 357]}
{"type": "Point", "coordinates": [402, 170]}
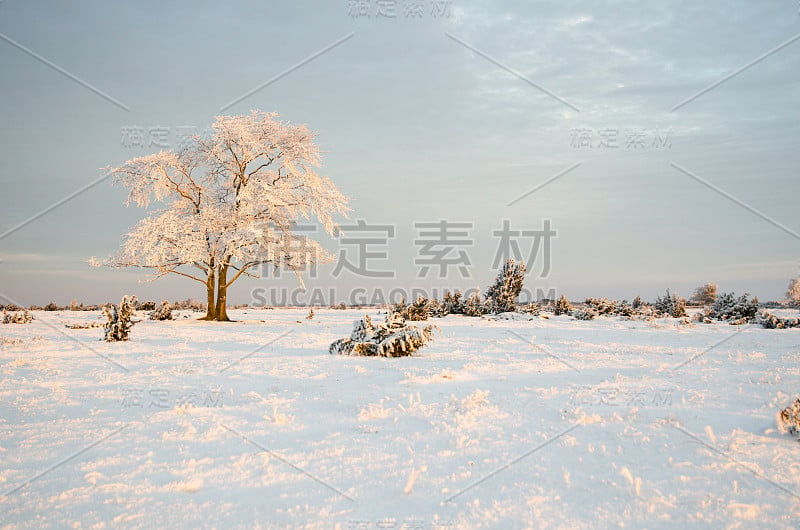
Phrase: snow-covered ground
{"type": "Point", "coordinates": [547, 423]}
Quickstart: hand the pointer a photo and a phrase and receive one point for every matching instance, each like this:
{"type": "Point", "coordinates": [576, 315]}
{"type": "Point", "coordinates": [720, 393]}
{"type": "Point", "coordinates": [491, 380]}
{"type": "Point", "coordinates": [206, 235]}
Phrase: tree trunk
{"type": "Point", "coordinates": [211, 306]}
{"type": "Point", "coordinates": [222, 294]}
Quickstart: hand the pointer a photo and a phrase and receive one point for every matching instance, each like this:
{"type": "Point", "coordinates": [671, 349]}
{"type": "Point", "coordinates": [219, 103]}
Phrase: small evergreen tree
{"type": "Point", "coordinates": [119, 323]}
{"type": "Point", "coordinates": [532, 308]}
{"type": "Point", "coordinates": [417, 311]}
{"type": "Point", "coordinates": [506, 287]}
{"type": "Point", "coordinates": [452, 303]}
{"type": "Point", "coordinates": [562, 307]}
{"type": "Point", "coordinates": [474, 306]}
{"type": "Point", "coordinates": [435, 308]}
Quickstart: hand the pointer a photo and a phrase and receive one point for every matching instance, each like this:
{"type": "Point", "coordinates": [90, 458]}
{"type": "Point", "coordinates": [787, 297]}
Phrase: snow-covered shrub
{"type": "Point", "coordinates": [704, 295]}
{"type": "Point", "coordinates": [506, 287]}
{"type": "Point", "coordinates": [637, 302]}
{"type": "Point", "coordinates": [18, 317]}
{"type": "Point", "coordinates": [562, 306]}
{"type": "Point", "coordinates": [474, 306]}
{"type": "Point", "coordinates": [119, 322]}
{"type": "Point", "coordinates": [419, 310]}
{"type": "Point", "coordinates": [604, 306]}
{"type": "Point", "coordinates": [769, 321]}
{"type": "Point", "coordinates": [789, 418]}
{"type": "Point", "coordinates": [84, 325]}
{"type": "Point", "coordinates": [392, 338]}
{"type": "Point", "coordinates": [190, 304]}
{"type": "Point", "coordinates": [435, 308]}
{"type": "Point", "coordinates": [51, 306]}
{"type": "Point", "coordinates": [584, 313]}
{"type": "Point", "coordinates": [163, 312]}
{"type": "Point", "coordinates": [736, 310]}
{"type": "Point", "coordinates": [146, 306]}
{"type": "Point", "coordinates": [644, 312]}
{"type": "Point", "coordinates": [452, 303]}
{"type": "Point", "coordinates": [671, 305]}
{"type": "Point", "coordinates": [532, 308]}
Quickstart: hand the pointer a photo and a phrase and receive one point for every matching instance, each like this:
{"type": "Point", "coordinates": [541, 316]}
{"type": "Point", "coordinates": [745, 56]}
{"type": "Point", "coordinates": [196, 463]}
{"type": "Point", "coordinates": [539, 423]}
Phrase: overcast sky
{"type": "Point", "coordinates": [445, 110]}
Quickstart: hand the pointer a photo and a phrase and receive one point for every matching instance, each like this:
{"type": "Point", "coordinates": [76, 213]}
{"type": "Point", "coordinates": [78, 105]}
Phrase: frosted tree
{"type": "Point", "coordinates": [562, 306]}
{"type": "Point", "coordinates": [506, 287]}
{"type": "Point", "coordinates": [229, 204]}
{"type": "Point", "coordinates": [119, 320]}
{"type": "Point", "coordinates": [793, 293]}
{"type": "Point", "coordinates": [705, 294]}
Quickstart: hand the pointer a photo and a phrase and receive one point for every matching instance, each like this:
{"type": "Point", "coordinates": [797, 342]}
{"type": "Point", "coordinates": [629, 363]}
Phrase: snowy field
{"type": "Point", "coordinates": [547, 423]}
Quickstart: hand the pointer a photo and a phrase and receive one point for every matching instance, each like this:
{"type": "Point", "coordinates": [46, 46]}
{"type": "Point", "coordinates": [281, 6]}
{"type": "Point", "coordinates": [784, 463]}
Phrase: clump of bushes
{"type": "Point", "coordinates": [452, 303]}
{"type": "Point", "coordinates": [119, 323]}
{"type": "Point", "coordinates": [584, 313]}
{"type": "Point", "coordinates": [84, 325]}
{"type": "Point", "coordinates": [190, 304]}
{"type": "Point", "coordinates": [146, 306]}
{"type": "Point", "coordinates": [769, 321]}
{"type": "Point", "coordinates": [671, 305]}
{"type": "Point", "coordinates": [17, 317]}
{"type": "Point", "coordinates": [392, 338]}
{"type": "Point", "coordinates": [789, 418]}
{"type": "Point", "coordinates": [604, 306]}
{"type": "Point", "coordinates": [163, 312]}
{"type": "Point", "coordinates": [421, 309]}
{"type": "Point", "coordinates": [736, 310]}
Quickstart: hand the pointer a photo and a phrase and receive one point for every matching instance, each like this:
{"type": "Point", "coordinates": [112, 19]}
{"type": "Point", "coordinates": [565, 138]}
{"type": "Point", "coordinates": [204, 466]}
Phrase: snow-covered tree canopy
{"type": "Point", "coordinates": [230, 202]}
